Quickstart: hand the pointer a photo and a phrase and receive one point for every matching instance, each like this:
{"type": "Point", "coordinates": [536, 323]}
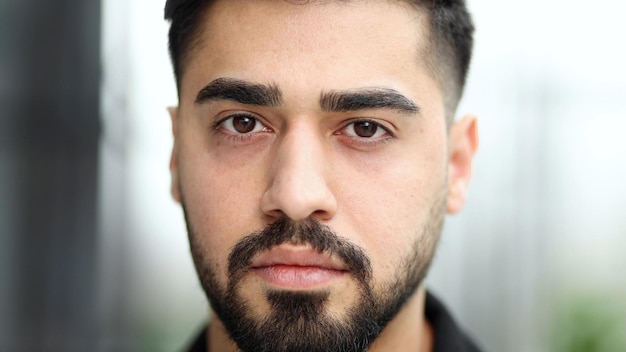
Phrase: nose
{"type": "Point", "coordinates": [298, 187]}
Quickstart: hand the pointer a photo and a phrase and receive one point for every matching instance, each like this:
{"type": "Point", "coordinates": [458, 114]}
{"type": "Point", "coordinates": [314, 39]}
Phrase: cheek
{"type": "Point", "coordinates": [402, 214]}
{"type": "Point", "coordinates": [388, 208]}
{"type": "Point", "coordinates": [221, 201]}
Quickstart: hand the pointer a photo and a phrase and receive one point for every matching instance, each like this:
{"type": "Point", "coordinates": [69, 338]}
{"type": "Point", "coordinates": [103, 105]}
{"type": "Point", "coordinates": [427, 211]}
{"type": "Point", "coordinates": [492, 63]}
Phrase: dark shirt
{"type": "Point", "coordinates": [448, 336]}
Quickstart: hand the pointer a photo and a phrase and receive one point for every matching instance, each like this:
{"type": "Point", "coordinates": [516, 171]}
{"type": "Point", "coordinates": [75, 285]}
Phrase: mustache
{"type": "Point", "coordinates": [320, 237]}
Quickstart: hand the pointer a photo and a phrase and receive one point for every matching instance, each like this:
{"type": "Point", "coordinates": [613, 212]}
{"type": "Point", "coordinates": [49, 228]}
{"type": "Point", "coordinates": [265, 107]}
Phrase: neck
{"type": "Point", "coordinates": [218, 337]}
{"type": "Point", "coordinates": [407, 331]}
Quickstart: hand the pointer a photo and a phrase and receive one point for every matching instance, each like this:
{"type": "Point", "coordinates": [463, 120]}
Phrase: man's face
{"type": "Point", "coordinates": [321, 122]}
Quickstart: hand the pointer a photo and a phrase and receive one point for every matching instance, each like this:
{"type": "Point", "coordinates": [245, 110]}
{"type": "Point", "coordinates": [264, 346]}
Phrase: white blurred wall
{"type": "Point", "coordinates": [150, 297]}
{"type": "Point", "coordinates": [544, 222]}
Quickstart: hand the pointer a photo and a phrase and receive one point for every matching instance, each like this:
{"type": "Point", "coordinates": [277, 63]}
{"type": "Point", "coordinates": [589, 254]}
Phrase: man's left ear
{"type": "Point", "coordinates": [462, 145]}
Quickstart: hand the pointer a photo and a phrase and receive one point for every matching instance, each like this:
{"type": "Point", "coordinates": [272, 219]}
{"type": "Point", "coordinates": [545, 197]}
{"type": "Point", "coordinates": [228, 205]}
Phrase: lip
{"type": "Point", "coordinates": [296, 267]}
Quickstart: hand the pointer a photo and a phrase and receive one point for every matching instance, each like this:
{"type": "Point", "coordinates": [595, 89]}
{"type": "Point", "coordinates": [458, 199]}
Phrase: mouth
{"type": "Point", "coordinates": [297, 268]}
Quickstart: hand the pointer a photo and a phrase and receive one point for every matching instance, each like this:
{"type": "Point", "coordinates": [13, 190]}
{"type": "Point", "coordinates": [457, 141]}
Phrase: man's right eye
{"type": "Point", "coordinates": [241, 124]}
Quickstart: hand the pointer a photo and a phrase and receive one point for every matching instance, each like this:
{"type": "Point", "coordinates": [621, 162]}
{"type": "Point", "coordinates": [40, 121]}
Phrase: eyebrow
{"type": "Point", "coordinates": [240, 91]}
{"type": "Point", "coordinates": [367, 98]}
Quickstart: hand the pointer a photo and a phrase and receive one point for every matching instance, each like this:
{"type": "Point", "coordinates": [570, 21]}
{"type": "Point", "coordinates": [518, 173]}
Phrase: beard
{"type": "Point", "coordinates": [299, 320]}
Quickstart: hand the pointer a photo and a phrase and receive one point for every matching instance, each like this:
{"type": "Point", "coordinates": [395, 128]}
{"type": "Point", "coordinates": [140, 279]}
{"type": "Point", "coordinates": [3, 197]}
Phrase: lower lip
{"type": "Point", "coordinates": [297, 277]}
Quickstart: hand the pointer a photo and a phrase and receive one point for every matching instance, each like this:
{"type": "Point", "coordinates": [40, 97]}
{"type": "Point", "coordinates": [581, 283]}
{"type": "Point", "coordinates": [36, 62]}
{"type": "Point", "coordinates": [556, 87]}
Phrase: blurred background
{"type": "Point", "coordinates": [93, 251]}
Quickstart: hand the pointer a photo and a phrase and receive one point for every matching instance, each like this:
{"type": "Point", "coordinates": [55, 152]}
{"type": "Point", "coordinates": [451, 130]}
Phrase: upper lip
{"type": "Point", "coordinates": [297, 256]}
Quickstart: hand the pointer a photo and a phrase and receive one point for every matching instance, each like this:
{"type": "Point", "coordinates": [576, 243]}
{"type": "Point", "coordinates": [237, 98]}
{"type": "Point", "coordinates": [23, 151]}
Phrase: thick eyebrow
{"type": "Point", "coordinates": [367, 98]}
{"type": "Point", "coordinates": [241, 91]}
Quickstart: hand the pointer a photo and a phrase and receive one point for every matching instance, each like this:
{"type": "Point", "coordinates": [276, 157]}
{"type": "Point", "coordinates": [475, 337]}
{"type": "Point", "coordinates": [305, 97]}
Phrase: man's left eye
{"type": "Point", "coordinates": [365, 129]}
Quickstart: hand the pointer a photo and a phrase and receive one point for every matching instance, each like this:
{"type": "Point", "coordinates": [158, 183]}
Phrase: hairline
{"type": "Point", "coordinates": [434, 54]}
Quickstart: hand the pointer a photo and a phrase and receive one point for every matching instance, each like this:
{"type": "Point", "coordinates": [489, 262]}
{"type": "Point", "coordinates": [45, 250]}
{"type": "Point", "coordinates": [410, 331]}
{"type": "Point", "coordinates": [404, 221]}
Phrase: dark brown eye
{"type": "Point", "coordinates": [244, 124]}
{"type": "Point", "coordinates": [365, 129]}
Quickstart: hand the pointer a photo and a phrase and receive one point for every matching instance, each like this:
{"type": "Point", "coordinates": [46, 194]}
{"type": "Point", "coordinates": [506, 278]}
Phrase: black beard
{"type": "Point", "coordinates": [298, 320]}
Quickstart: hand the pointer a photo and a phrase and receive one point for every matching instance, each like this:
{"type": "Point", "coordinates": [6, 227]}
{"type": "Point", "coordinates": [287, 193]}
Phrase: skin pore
{"type": "Point", "coordinates": [317, 112]}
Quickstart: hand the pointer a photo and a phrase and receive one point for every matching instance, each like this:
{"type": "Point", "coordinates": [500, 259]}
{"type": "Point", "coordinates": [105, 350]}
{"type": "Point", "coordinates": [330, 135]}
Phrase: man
{"type": "Point", "coordinates": [315, 155]}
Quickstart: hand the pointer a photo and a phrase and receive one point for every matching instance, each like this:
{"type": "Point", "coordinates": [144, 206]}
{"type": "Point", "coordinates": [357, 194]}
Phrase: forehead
{"type": "Point", "coordinates": [320, 45]}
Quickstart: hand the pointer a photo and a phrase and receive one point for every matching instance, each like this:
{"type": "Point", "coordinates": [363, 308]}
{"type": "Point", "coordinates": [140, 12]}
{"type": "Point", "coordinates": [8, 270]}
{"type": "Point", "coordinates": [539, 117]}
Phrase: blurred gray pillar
{"type": "Point", "coordinates": [49, 130]}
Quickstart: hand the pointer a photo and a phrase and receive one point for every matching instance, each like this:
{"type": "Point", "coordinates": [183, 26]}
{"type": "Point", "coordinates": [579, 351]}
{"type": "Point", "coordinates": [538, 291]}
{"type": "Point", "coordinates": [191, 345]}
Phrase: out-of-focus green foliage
{"type": "Point", "coordinates": [589, 323]}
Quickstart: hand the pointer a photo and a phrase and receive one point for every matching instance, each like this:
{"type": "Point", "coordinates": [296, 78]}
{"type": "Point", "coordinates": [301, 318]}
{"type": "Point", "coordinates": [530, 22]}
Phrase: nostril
{"type": "Point", "coordinates": [321, 215]}
{"type": "Point", "coordinates": [274, 214]}
{"type": "Point", "coordinates": [280, 200]}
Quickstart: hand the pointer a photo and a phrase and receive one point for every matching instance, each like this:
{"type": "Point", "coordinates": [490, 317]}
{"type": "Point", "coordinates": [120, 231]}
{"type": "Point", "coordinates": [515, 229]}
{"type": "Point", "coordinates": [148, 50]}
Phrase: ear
{"type": "Point", "coordinates": [175, 185]}
{"type": "Point", "coordinates": [462, 145]}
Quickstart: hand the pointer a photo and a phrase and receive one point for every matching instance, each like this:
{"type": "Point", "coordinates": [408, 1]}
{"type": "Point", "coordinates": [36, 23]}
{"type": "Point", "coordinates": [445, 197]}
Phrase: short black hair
{"type": "Point", "coordinates": [185, 17]}
{"type": "Point", "coordinates": [449, 55]}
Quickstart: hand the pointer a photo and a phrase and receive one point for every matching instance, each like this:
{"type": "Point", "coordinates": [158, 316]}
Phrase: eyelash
{"type": "Point", "coordinates": [364, 140]}
{"type": "Point", "coordinates": [218, 127]}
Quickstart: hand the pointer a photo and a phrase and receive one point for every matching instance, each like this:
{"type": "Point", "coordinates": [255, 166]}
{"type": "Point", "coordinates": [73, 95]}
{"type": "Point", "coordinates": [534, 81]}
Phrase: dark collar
{"type": "Point", "coordinates": [448, 336]}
